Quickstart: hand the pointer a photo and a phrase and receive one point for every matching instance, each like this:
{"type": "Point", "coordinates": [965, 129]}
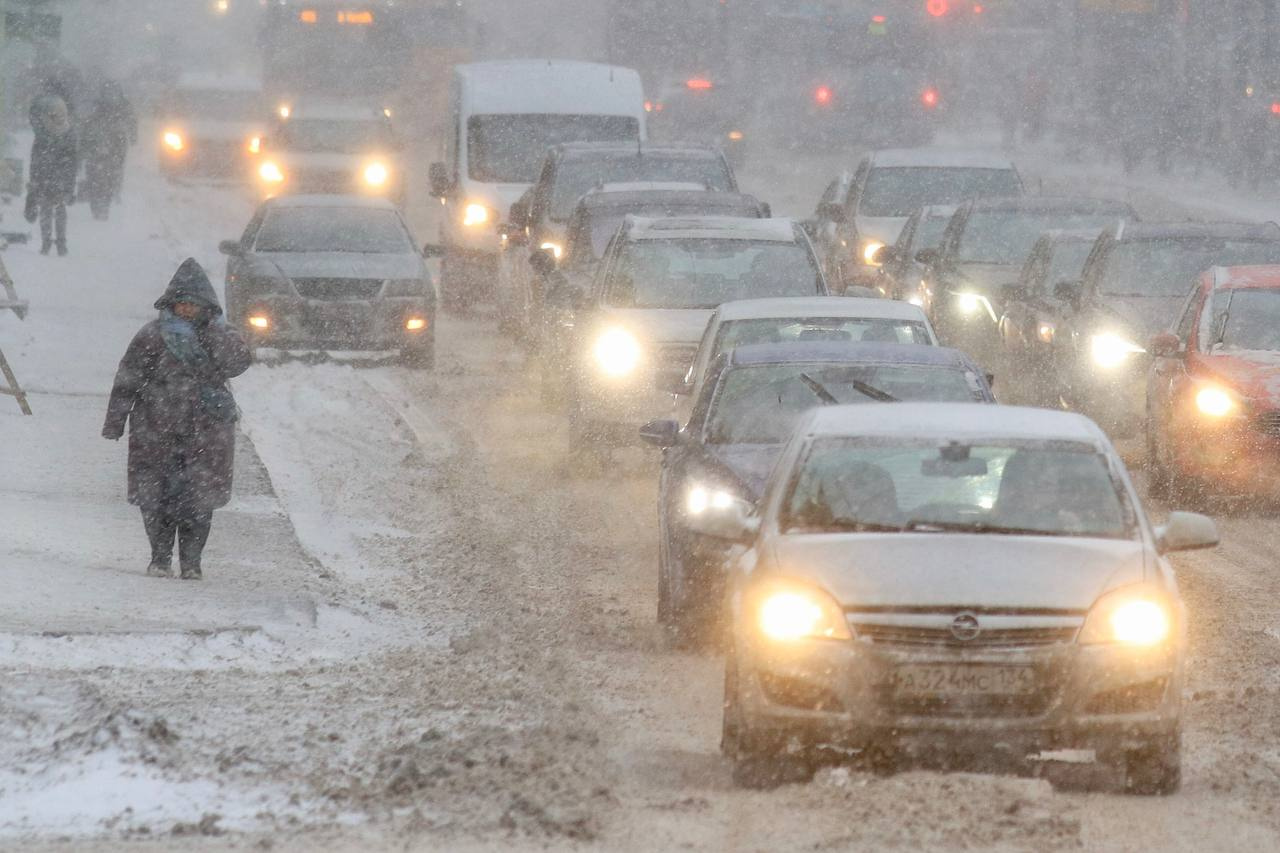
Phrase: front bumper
{"type": "Point", "coordinates": [220, 158]}
{"type": "Point", "coordinates": [294, 322]}
{"type": "Point", "coordinates": [1114, 397]}
{"type": "Point", "coordinates": [1240, 456]}
{"type": "Point", "coordinates": [325, 181]}
{"type": "Point", "coordinates": [840, 694]}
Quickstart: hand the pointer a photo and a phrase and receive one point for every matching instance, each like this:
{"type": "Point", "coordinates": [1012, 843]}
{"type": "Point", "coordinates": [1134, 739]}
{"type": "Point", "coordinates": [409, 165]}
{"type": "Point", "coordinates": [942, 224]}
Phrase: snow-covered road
{"type": "Point", "coordinates": [421, 628]}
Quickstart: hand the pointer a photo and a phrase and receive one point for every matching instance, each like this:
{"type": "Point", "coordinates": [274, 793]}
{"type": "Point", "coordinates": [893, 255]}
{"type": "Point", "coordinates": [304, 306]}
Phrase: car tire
{"type": "Point", "coordinates": [686, 626]}
{"type": "Point", "coordinates": [756, 765]}
{"type": "Point", "coordinates": [1156, 768]}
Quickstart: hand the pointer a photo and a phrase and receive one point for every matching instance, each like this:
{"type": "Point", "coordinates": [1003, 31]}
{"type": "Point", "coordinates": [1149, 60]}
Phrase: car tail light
{"type": "Point", "coordinates": [929, 97]}
{"type": "Point", "coordinates": [699, 84]}
{"type": "Point", "coordinates": [822, 95]}
{"type": "Point", "coordinates": [648, 106]}
{"type": "Point", "coordinates": [1275, 108]}
{"type": "Point", "coordinates": [978, 8]}
{"type": "Point", "coordinates": [937, 8]}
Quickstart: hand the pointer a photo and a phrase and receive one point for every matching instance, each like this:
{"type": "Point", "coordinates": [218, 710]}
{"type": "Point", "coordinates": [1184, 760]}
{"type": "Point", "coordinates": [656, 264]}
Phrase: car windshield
{"type": "Point", "coordinates": [929, 232]}
{"type": "Point", "coordinates": [346, 137]}
{"type": "Point", "coordinates": [899, 190]}
{"type": "Point", "coordinates": [1244, 319]}
{"type": "Point", "coordinates": [511, 148]}
{"type": "Point", "coordinates": [703, 273]}
{"type": "Point", "coordinates": [1049, 489]}
{"type": "Point", "coordinates": [760, 404]}
{"type": "Point", "coordinates": [216, 105]}
{"type": "Point", "coordinates": [333, 229]}
{"type": "Point", "coordinates": [578, 175]}
{"type": "Point", "coordinates": [774, 330]}
{"type": "Point", "coordinates": [1066, 263]}
{"type": "Point", "coordinates": [1007, 236]}
{"type": "Point", "coordinates": [1168, 267]}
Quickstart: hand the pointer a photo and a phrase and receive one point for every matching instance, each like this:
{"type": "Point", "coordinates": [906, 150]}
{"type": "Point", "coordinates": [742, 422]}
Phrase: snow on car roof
{"type": "Point", "coordinates": [1038, 203]}
{"type": "Point", "coordinates": [711, 227]}
{"type": "Point", "coordinates": [1193, 230]}
{"type": "Point", "coordinates": [938, 211]}
{"type": "Point", "coordinates": [557, 86]}
{"type": "Point", "coordinates": [331, 200]}
{"type": "Point", "coordinates": [574, 150]}
{"type": "Point", "coordinates": [701, 199]}
{"type": "Point", "coordinates": [947, 421]}
{"type": "Point", "coordinates": [649, 186]}
{"type": "Point", "coordinates": [337, 111]}
{"type": "Point", "coordinates": [216, 81]}
{"type": "Point", "coordinates": [792, 352]}
{"type": "Point", "coordinates": [1072, 235]}
{"type": "Point", "coordinates": [1232, 278]}
{"type": "Point", "coordinates": [938, 158]}
{"type": "Point", "coordinates": [819, 306]}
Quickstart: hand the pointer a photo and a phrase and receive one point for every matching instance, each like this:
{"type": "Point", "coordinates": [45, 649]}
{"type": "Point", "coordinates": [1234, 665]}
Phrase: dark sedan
{"type": "Point", "coordinates": [751, 399]}
{"type": "Point", "coordinates": [332, 272]}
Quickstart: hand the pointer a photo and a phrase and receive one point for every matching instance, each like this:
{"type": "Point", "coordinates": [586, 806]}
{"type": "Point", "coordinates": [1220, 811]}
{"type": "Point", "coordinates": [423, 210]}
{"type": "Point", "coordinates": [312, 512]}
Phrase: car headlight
{"type": "Point", "coordinates": [270, 173]}
{"type": "Point", "coordinates": [869, 249]}
{"type": "Point", "coordinates": [554, 248]}
{"type": "Point", "coordinates": [1045, 332]}
{"type": "Point", "coordinates": [255, 145]}
{"type": "Point", "coordinates": [702, 497]}
{"type": "Point", "coordinates": [284, 110]}
{"type": "Point", "coordinates": [617, 352]}
{"type": "Point", "coordinates": [1110, 350]}
{"type": "Point", "coordinates": [1216, 402]}
{"type": "Point", "coordinates": [787, 612]}
{"type": "Point", "coordinates": [972, 304]}
{"type": "Point", "coordinates": [376, 174]}
{"type": "Point", "coordinates": [1134, 616]}
{"type": "Point", "coordinates": [173, 140]}
{"type": "Point", "coordinates": [404, 287]}
{"type": "Point", "coordinates": [474, 214]}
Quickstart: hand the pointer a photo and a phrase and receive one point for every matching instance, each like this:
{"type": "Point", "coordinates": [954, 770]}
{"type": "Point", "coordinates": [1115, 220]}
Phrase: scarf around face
{"type": "Point", "coordinates": [180, 339]}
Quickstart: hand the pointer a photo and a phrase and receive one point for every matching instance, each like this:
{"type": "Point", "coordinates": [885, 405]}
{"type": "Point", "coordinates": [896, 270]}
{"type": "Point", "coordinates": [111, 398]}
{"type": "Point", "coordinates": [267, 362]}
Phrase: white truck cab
{"type": "Point", "coordinates": [505, 115]}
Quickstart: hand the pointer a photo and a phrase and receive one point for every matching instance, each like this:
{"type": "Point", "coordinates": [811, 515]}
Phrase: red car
{"type": "Point", "coordinates": [1213, 392]}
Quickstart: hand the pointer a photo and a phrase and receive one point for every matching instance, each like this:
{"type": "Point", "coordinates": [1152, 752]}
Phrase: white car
{"type": "Point", "coordinates": [817, 318]}
{"type": "Point", "coordinates": [977, 579]}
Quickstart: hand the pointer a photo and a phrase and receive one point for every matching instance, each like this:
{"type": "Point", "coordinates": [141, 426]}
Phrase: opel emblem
{"type": "Point", "coordinates": [965, 627]}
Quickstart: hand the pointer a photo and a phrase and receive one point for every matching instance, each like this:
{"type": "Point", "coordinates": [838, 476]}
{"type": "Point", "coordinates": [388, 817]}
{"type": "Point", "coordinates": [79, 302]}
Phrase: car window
{"type": "Point", "coordinates": [1242, 320]}
{"type": "Point", "coordinates": [1017, 488]}
{"type": "Point", "coordinates": [1006, 236]}
{"type": "Point", "coordinates": [1066, 262]}
{"type": "Point", "coordinates": [896, 191]}
{"type": "Point", "coordinates": [1188, 316]}
{"type": "Point", "coordinates": [511, 148]}
{"type": "Point", "coordinates": [1168, 267]}
{"type": "Point", "coordinates": [835, 329]}
{"type": "Point", "coordinates": [342, 137]}
{"type": "Point", "coordinates": [703, 273]}
{"type": "Point", "coordinates": [333, 229]}
{"type": "Point", "coordinates": [580, 175]}
{"type": "Point", "coordinates": [760, 404]}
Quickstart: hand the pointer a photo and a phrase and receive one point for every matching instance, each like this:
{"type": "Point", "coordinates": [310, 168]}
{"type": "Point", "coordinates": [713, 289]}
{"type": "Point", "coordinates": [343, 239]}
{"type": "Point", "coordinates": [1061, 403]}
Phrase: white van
{"type": "Point", "coordinates": [504, 117]}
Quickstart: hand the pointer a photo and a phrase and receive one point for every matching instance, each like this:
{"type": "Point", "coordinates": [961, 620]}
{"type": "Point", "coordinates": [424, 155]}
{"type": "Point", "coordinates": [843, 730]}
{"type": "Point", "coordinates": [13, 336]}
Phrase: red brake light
{"type": "Point", "coordinates": [937, 8]}
{"type": "Point", "coordinates": [877, 19]}
{"type": "Point", "coordinates": [1275, 108]}
{"type": "Point", "coordinates": [698, 84]}
{"type": "Point", "coordinates": [929, 97]}
{"type": "Point", "coordinates": [648, 106]}
{"type": "Point", "coordinates": [978, 9]}
{"type": "Point", "coordinates": [822, 95]}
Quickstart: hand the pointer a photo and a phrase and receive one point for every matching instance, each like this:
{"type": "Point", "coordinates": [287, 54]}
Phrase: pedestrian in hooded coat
{"type": "Point", "coordinates": [55, 160]}
{"type": "Point", "coordinates": [172, 389]}
{"type": "Point", "coordinates": [109, 129]}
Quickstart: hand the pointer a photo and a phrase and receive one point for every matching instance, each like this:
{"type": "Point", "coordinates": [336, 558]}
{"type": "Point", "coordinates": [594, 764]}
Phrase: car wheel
{"type": "Point", "coordinates": [756, 765]}
{"type": "Point", "coordinates": [686, 625]}
{"type": "Point", "coordinates": [1156, 768]}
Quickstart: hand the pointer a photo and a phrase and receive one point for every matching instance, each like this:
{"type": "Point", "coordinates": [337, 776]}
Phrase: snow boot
{"type": "Point", "coordinates": [45, 247]}
{"type": "Point", "coordinates": [159, 570]}
{"type": "Point", "coordinates": [62, 250]}
{"type": "Point", "coordinates": [191, 573]}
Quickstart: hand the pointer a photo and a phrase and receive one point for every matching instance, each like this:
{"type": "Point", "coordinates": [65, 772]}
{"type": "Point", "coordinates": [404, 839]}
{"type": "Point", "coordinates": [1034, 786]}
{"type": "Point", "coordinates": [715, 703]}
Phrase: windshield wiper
{"type": "Point", "coordinates": [819, 390]}
{"type": "Point", "coordinates": [924, 524]}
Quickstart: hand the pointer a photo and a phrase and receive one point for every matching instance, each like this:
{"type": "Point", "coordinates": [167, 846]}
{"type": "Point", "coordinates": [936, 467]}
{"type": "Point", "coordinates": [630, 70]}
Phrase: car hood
{"type": "Point", "coordinates": [750, 463]}
{"type": "Point", "coordinates": [984, 278]}
{"type": "Point", "coordinates": [962, 570]}
{"type": "Point", "coordinates": [1144, 316]}
{"type": "Point", "coordinates": [1253, 374]}
{"type": "Point", "coordinates": [883, 228]}
{"type": "Point", "coordinates": [335, 160]}
{"type": "Point", "coordinates": [663, 325]}
{"type": "Point", "coordinates": [343, 265]}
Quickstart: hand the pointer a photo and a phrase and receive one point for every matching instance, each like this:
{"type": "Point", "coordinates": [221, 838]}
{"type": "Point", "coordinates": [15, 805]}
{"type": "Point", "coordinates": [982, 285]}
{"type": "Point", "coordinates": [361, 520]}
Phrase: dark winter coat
{"type": "Point", "coordinates": [175, 434]}
{"type": "Point", "coordinates": [111, 127]}
{"type": "Point", "coordinates": [55, 160]}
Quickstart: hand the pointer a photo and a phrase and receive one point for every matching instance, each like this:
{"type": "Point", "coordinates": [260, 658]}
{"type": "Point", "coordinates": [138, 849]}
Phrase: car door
{"type": "Point", "coordinates": [896, 272]}
{"type": "Point", "coordinates": [1169, 378]}
{"type": "Point", "coordinates": [234, 290]}
{"type": "Point", "coordinates": [1018, 322]}
{"type": "Point", "coordinates": [1071, 337]}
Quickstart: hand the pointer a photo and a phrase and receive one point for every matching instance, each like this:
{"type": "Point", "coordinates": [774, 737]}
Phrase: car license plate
{"type": "Point", "coordinates": [963, 680]}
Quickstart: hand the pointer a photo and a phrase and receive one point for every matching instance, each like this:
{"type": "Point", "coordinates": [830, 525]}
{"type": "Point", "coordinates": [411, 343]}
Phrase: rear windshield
{"type": "Point", "coordinates": [579, 175]}
{"type": "Point", "coordinates": [1007, 236]}
{"type": "Point", "coordinates": [1169, 267]}
{"type": "Point", "coordinates": [510, 148]}
{"type": "Point", "coordinates": [703, 273]}
{"type": "Point", "coordinates": [333, 229]}
{"type": "Point", "coordinates": [343, 137]}
{"type": "Point", "coordinates": [897, 191]}
{"type": "Point", "coordinates": [773, 330]}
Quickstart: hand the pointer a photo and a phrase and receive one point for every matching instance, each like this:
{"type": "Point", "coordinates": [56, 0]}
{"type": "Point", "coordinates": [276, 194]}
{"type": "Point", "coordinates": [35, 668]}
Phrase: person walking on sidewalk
{"type": "Point", "coordinates": [55, 161]}
{"type": "Point", "coordinates": [172, 389]}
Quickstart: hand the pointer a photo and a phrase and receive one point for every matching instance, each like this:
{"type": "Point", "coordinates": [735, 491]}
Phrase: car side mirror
{"type": "Point", "coordinates": [433, 250]}
{"type": "Point", "coordinates": [661, 433]}
{"type": "Point", "coordinates": [736, 522]}
{"type": "Point", "coordinates": [928, 257]}
{"type": "Point", "coordinates": [991, 381]}
{"type": "Point", "coordinates": [830, 211]}
{"type": "Point", "coordinates": [231, 247]}
{"type": "Point", "coordinates": [439, 179]}
{"type": "Point", "coordinates": [1013, 292]}
{"type": "Point", "coordinates": [543, 261]}
{"type": "Point", "coordinates": [1068, 291]}
{"type": "Point", "coordinates": [1165, 345]}
{"type": "Point", "coordinates": [1186, 531]}
{"type": "Point", "coordinates": [884, 255]}
{"type": "Point", "coordinates": [518, 214]}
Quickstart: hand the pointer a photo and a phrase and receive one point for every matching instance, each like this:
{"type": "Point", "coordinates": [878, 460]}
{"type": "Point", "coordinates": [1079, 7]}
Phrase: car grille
{"type": "Point", "coordinates": [320, 181]}
{"type": "Point", "coordinates": [995, 638]}
{"type": "Point", "coordinates": [1030, 705]}
{"type": "Point", "coordinates": [338, 289]}
{"type": "Point", "coordinates": [1268, 423]}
